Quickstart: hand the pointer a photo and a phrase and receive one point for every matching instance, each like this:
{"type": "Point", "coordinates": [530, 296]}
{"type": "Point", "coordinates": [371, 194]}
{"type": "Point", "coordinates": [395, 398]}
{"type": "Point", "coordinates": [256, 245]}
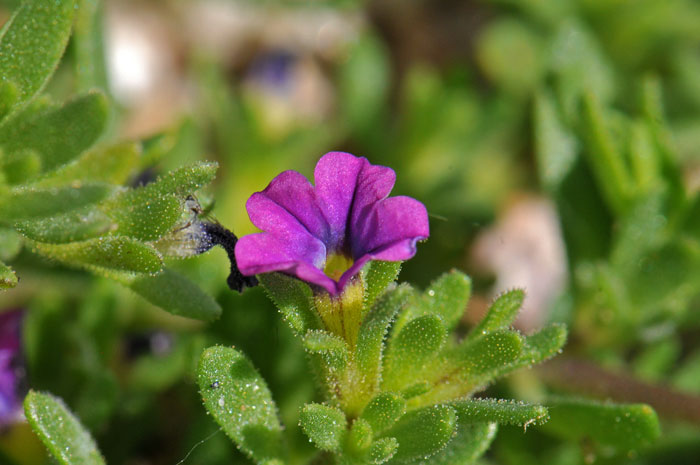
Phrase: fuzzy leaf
{"type": "Point", "coordinates": [382, 450]}
{"type": "Point", "coordinates": [293, 298]}
{"type": "Point", "coordinates": [32, 43]}
{"type": "Point", "coordinates": [383, 411]}
{"type": "Point", "coordinates": [20, 166]}
{"type": "Point", "coordinates": [8, 97]}
{"type": "Point", "coordinates": [502, 312]}
{"type": "Point", "coordinates": [60, 431]}
{"type": "Point", "coordinates": [422, 432]}
{"type": "Point", "coordinates": [488, 355]}
{"type": "Point", "coordinates": [176, 294]}
{"type": "Point", "coordinates": [446, 297]}
{"type": "Point", "coordinates": [325, 426]}
{"type": "Point", "coordinates": [332, 349]}
{"type": "Point", "coordinates": [10, 244]}
{"type": "Point", "coordinates": [24, 203]}
{"type": "Point", "coordinates": [112, 165]}
{"type": "Point", "coordinates": [78, 225]}
{"type": "Point", "coordinates": [507, 412]}
{"type": "Point", "coordinates": [622, 426]}
{"type": "Point", "coordinates": [8, 279]}
{"type": "Point", "coordinates": [370, 339]}
{"type": "Point", "coordinates": [106, 253]}
{"type": "Point", "coordinates": [377, 277]}
{"type": "Point", "coordinates": [360, 437]}
{"type": "Point", "coordinates": [237, 397]}
{"type": "Point", "coordinates": [184, 181]}
{"type": "Point", "coordinates": [470, 443]}
{"type": "Point", "coordinates": [142, 214]}
{"type": "Point", "coordinates": [543, 344]}
{"type": "Point", "coordinates": [416, 345]}
{"type": "Point", "coordinates": [83, 117]}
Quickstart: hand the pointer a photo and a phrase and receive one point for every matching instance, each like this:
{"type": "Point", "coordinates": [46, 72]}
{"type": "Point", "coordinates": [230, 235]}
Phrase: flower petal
{"type": "Point", "coordinates": [265, 253]}
{"type": "Point", "coordinates": [390, 230]}
{"type": "Point", "coordinates": [286, 204]}
{"type": "Point", "coordinates": [336, 176]}
{"type": "Point", "coordinates": [374, 183]}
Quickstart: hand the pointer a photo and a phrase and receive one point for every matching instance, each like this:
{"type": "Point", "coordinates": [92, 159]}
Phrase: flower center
{"type": "Point", "coordinates": [336, 265]}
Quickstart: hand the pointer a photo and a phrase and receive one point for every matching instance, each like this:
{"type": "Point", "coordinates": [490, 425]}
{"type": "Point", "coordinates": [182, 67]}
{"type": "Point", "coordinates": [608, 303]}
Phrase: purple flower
{"type": "Point", "coordinates": [10, 407]}
{"type": "Point", "coordinates": [325, 234]}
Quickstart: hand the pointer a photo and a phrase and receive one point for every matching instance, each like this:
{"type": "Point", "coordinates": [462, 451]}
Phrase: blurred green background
{"type": "Point", "coordinates": [555, 144]}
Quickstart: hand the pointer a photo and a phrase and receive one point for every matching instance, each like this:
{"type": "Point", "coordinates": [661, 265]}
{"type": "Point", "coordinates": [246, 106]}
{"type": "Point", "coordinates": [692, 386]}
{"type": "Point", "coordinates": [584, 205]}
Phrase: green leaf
{"type": "Point", "coordinates": [20, 166]}
{"type": "Point", "coordinates": [32, 43]}
{"type": "Point", "coordinates": [332, 349]}
{"type": "Point", "coordinates": [377, 277]}
{"type": "Point", "coordinates": [543, 344]}
{"type": "Point", "coordinates": [111, 165]}
{"type": "Point", "coordinates": [370, 339]}
{"type": "Point", "coordinates": [237, 397]}
{"type": "Point", "coordinates": [382, 450]}
{"type": "Point", "coordinates": [412, 349]}
{"type": "Point", "coordinates": [293, 298]}
{"type": "Point", "coordinates": [555, 146]}
{"type": "Point", "coordinates": [621, 426]}
{"type": "Point", "coordinates": [10, 244]}
{"type": "Point", "coordinates": [507, 412]}
{"type": "Point", "coordinates": [78, 225]}
{"type": "Point", "coordinates": [84, 118]}
{"type": "Point", "coordinates": [60, 431]}
{"type": "Point", "coordinates": [325, 426]}
{"type": "Point", "coordinates": [88, 46]}
{"type": "Point", "coordinates": [605, 158]}
{"type": "Point", "coordinates": [184, 181]}
{"type": "Point", "coordinates": [113, 253]}
{"type": "Point", "coordinates": [446, 297]}
{"type": "Point", "coordinates": [8, 97]}
{"type": "Point", "coordinates": [359, 440]}
{"type": "Point", "coordinates": [471, 442]}
{"type": "Point", "coordinates": [8, 279]}
{"type": "Point", "coordinates": [502, 312]}
{"type": "Point", "coordinates": [383, 411]}
{"type": "Point", "coordinates": [24, 203]}
{"type": "Point", "coordinates": [176, 294]}
{"type": "Point", "coordinates": [422, 432]}
{"type": "Point", "coordinates": [143, 214]}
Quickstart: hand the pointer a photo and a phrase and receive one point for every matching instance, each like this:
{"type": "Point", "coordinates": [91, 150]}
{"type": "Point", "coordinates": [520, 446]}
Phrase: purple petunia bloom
{"type": "Point", "coordinates": [325, 234]}
{"type": "Point", "coordinates": [10, 407]}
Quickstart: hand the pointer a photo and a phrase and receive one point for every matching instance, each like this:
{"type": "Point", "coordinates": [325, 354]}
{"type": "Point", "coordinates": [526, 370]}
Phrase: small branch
{"type": "Point", "coordinates": [587, 378]}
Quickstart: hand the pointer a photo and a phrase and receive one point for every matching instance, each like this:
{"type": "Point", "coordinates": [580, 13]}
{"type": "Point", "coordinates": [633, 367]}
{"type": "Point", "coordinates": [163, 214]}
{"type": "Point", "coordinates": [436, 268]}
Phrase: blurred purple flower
{"type": "Point", "coordinates": [10, 406]}
{"type": "Point", "coordinates": [325, 234]}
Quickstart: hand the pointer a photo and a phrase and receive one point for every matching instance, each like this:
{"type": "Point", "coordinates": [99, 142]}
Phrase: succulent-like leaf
{"type": "Point", "coordinates": [507, 412]}
{"type": "Point", "coordinates": [470, 443]}
{"type": "Point", "coordinates": [502, 312]}
{"type": "Point", "coordinates": [382, 450]}
{"type": "Point", "coordinates": [60, 431]}
{"type": "Point", "coordinates": [383, 411]}
{"type": "Point", "coordinates": [112, 253]}
{"type": "Point", "coordinates": [237, 397]}
{"type": "Point", "coordinates": [142, 214]}
{"type": "Point", "coordinates": [622, 426]}
{"type": "Point", "coordinates": [32, 43]}
{"type": "Point", "coordinates": [377, 276]}
{"type": "Point", "coordinates": [77, 225]}
{"type": "Point", "coordinates": [176, 294]}
{"type": "Point", "coordinates": [111, 165]}
{"type": "Point", "coordinates": [8, 278]}
{"type": "Point", "coordinates": [84, 118]}
{"type": "Point", "coordinates": [325, 426]}
{"type": "Point", "coordinates": [24, 203]}
{"type": "Point", "coordinates": [446, 297]}
{"type": "Point", "coordinates": [543, 344]}
{"type": "Point", "coordinates": [293, 298]}
{"type": "Point", "coordinates": [422, 432]}
{"type": "Point", "coordinates": [487, 356]}
{"type": "Point", "coordinates": [414, 347]}
{"type": "Point", "coordinates": [359, 439]}
{"type": "Point", "coordinates": [370, 339]}
{"type": "Point", "coordinates": [332, 349]}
